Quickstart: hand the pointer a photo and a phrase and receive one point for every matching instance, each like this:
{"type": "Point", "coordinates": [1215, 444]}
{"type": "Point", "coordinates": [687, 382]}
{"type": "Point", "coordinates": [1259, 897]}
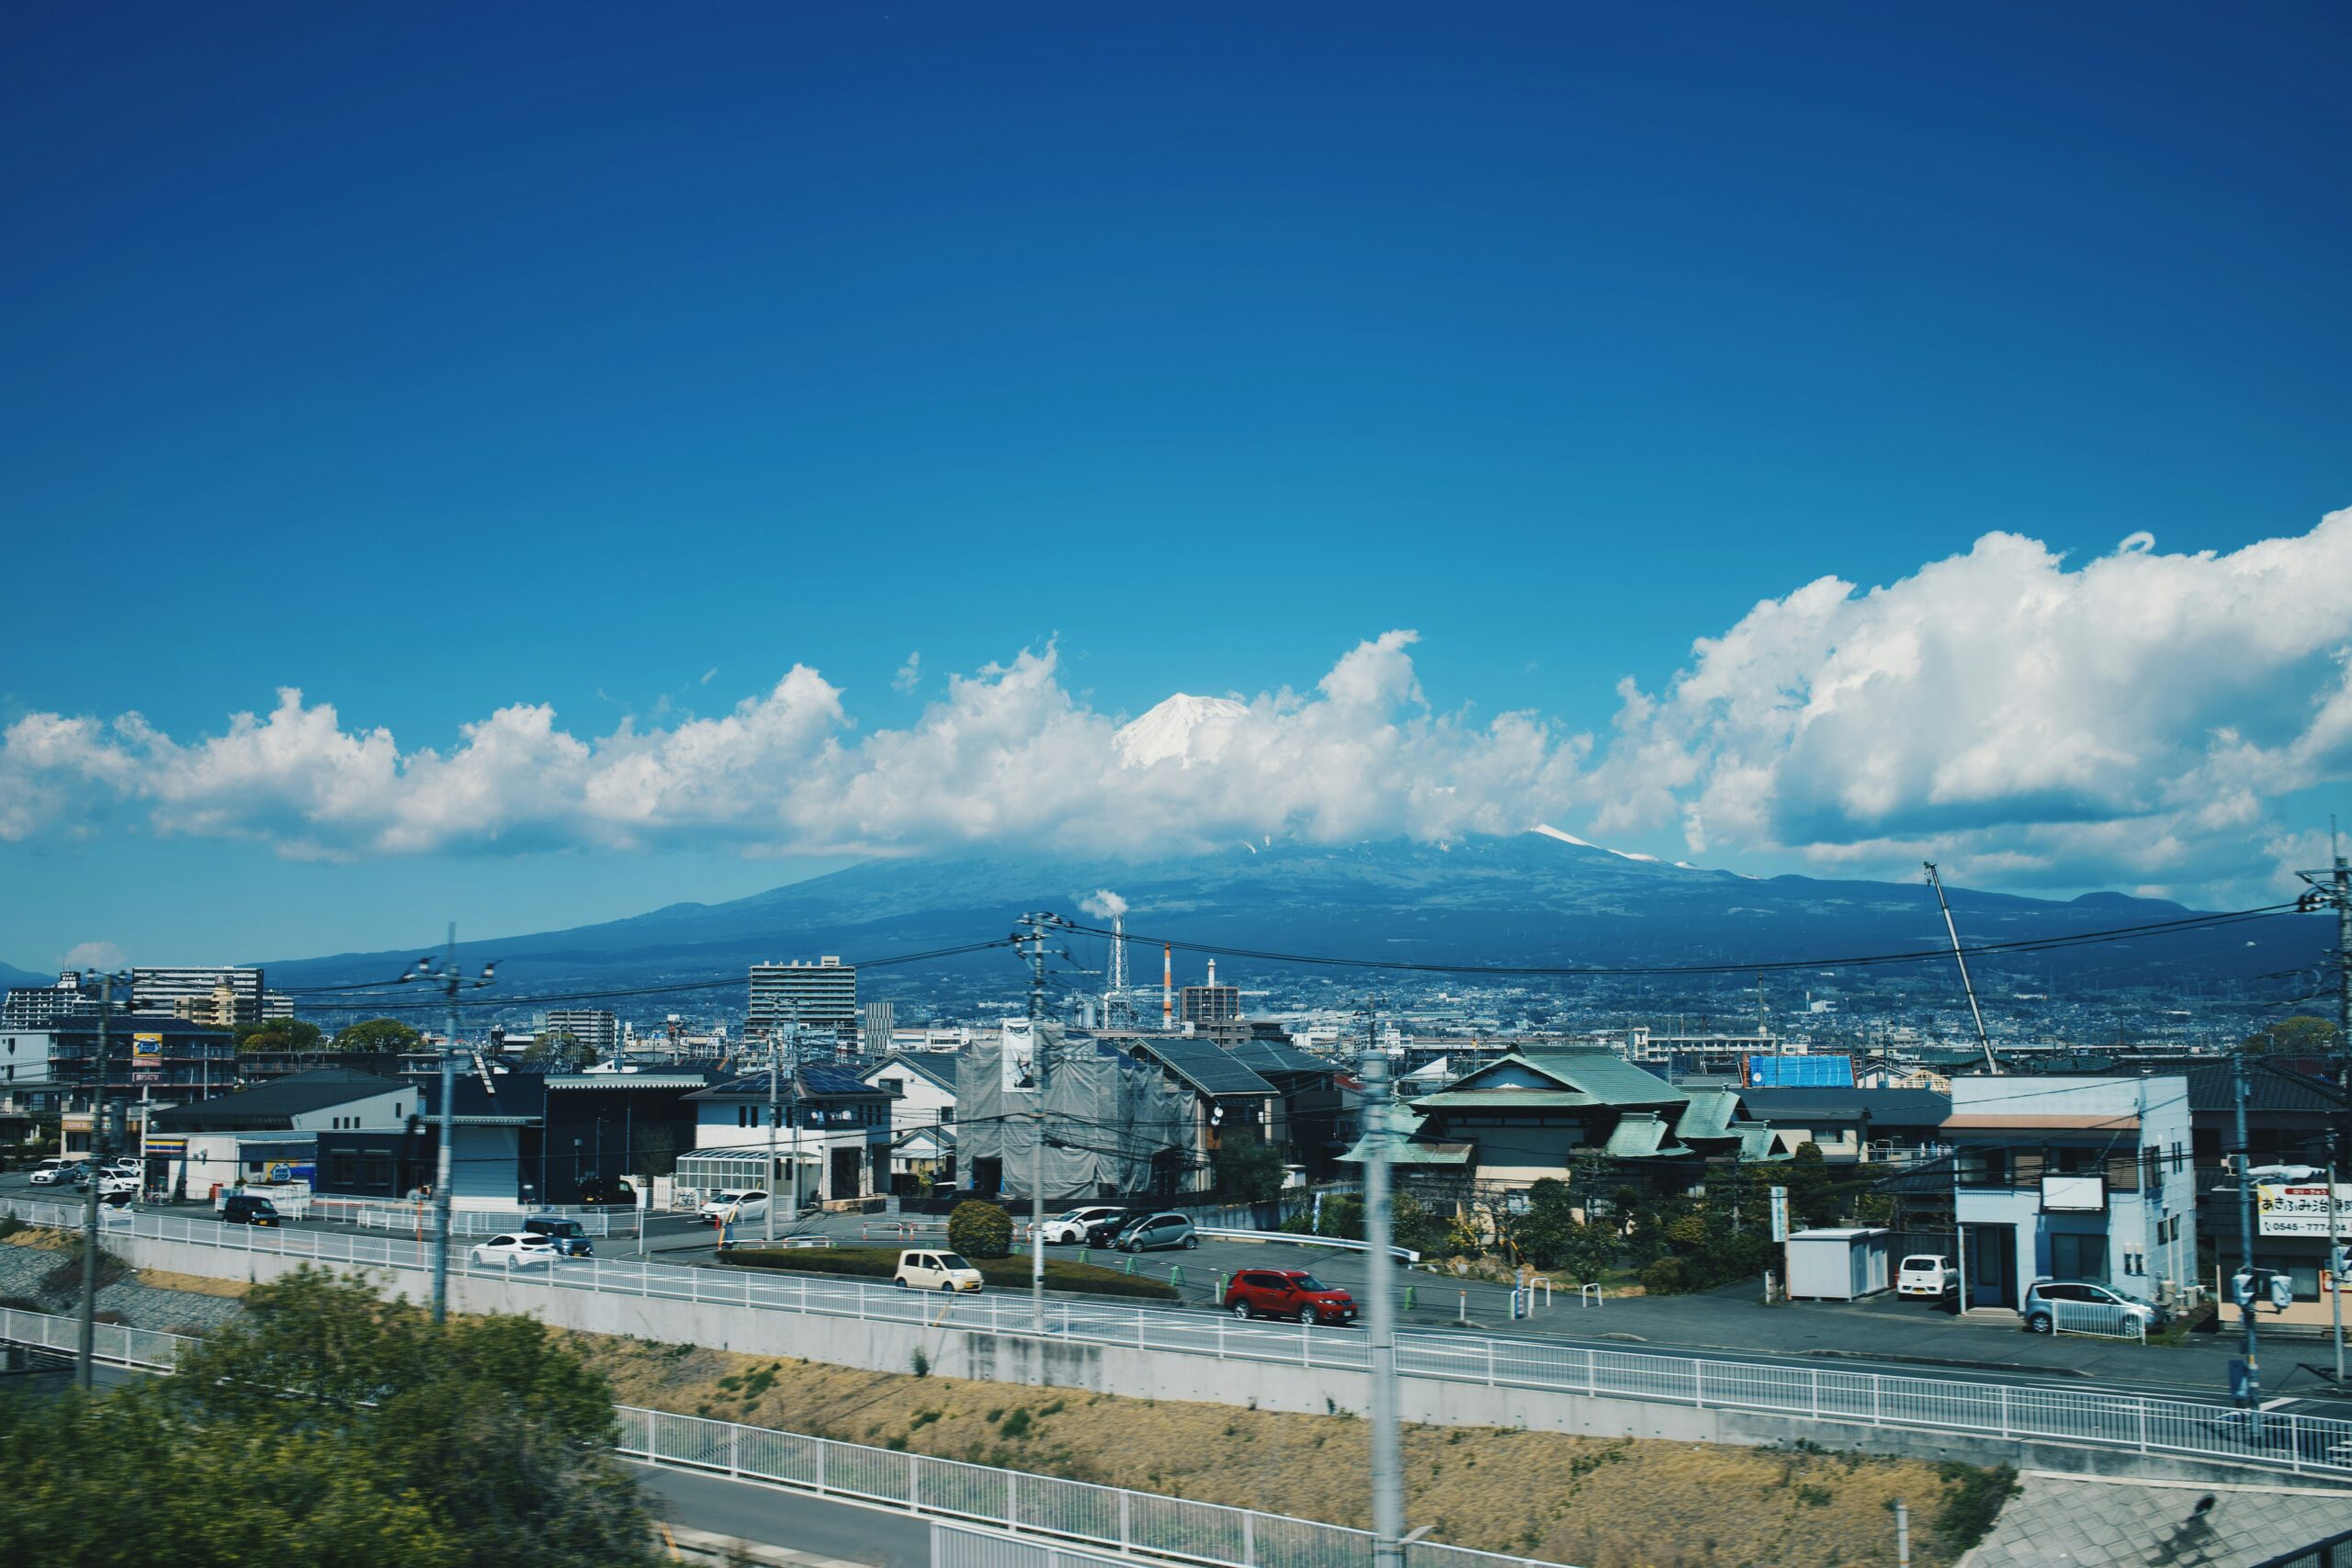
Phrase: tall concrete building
{"type": "Point", "coordinates": [39, 1006]}
{"type": "Point", "coordinates": [593, 1027]}
{"type": "Point", "coordinates": [226, 1008]}
{"type": "Point", "coordinates": [1212, 1003]}
{"type": "Point", "coordinates": [159, 992]}
{"type": "Point", "coordinates": [822, 995]}
{"type": "Point", "coordinates": [881, 1018]}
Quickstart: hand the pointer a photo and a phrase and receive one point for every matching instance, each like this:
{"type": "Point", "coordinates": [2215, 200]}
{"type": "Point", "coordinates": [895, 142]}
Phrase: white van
{"type": "Point", "coordinates": [1929, 1274]}
{"type": "Point", "coordinates": [736, 1205]}
{"type": "Point", "coordinates": [921, 1270]}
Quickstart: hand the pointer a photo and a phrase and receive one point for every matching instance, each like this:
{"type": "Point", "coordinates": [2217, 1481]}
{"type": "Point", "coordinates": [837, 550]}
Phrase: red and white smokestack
{"type": "Point", "coordinates": [1168, 985]}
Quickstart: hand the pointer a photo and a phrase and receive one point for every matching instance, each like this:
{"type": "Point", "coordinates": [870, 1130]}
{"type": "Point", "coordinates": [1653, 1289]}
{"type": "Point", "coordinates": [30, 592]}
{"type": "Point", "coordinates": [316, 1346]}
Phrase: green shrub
{"type": "Point", "coordinates": [979, 1230]}
{"type": "Point", "coordinates": [1971, 1504]}
{"type": "Point", "coordinates": [1015, 1424]}
{"type": "Point", "coordinates": [1666, 1277]}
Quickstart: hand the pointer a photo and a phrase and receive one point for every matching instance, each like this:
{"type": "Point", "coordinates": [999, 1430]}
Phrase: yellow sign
{"type": "Point", "coordinates": [146, 1050]}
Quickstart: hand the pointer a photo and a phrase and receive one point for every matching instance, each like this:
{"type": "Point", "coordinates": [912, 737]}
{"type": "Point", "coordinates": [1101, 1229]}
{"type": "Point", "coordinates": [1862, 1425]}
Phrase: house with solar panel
{"type": "Point", "coordinates": [1526, 1117]}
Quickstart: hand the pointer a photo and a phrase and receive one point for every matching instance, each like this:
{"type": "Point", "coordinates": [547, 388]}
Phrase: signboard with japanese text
{"type": "Point", "coordinates": [2301, 1209]}
{"type": "Point", "coordinates": [1779, 1214]}
{"type": "Point", "coordinates": [146, 1058]}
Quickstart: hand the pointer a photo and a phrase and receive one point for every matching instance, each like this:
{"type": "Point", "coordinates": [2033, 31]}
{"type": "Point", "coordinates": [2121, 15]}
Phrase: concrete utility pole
{"type": "Point", "coordinates": [2246, 1247]}
{"type": "Point", "coordinates": [1388, 1469]}
{"type": "Point", "coordinates": [1031, 942]}
{"type": "Point", "coordinates": [446, 975]}
{"type": "Point", "coordinates": [2332, 888]}
{"type": "Point", "coordinates": [776, 1190]}
{"type": "Point", "coordinates": [86, 1344]}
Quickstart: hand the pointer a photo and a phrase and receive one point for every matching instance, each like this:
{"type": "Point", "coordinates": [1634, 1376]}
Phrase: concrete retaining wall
{"type": "Point", "coordinates": [883, 1346]}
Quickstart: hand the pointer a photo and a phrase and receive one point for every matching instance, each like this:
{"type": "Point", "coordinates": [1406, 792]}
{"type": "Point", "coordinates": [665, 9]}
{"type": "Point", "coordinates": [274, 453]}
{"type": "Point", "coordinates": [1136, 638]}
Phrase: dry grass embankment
{"type": "Point", "coordinates": [1596, 1503]}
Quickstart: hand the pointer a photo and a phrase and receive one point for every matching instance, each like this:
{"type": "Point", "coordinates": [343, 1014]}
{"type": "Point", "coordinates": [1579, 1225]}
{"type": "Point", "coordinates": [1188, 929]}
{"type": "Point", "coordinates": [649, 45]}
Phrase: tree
{"type": "Point", "coordinates": [1249, 1170]}
{"type": "Point", "coordinates": [377, 1034]}
{"type": "Point", "coordinates": [979, 1230]}
{"type": "Point", "coordinates": [2301, 1035]}
{"type": "Point", "coordinates": [326, 1424]}
{"type": "Point", "coordinates": [1812, 1199]}
{"type": "Point", "coordinates": [658, 1145]}
{"type": "Point", "coordinates": [279, 1034]}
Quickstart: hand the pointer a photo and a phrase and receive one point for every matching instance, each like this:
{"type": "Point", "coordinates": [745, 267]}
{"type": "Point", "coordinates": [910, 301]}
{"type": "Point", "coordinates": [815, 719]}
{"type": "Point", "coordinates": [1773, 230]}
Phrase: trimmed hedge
{"type": "Point", "coordinates": [882, 1262]}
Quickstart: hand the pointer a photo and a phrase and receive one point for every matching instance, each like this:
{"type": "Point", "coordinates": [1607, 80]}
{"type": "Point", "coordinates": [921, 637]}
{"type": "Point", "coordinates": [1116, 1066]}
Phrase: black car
{"type": "Point", "coordinates": [597, 1190]}
{"type": "Point", "coordinates": [244, 1209]}
{"type": "Point", "coordinates": [1105, 1232]}
{"type": "Point", "coordinates": [569, 1237]}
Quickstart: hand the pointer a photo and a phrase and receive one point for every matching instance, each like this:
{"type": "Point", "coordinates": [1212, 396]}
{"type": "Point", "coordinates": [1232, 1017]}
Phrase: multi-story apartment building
{"type": "Point", "coordinates": [822, 995]}
{"type": "Point", "coordinates": [593, 1027]}
{"type": "Point", "coordinates": [226, 1008]}
{"type": "Point", "coordinates": [1211, 1003]}
{"type": "Point", "coordinates": [38, 1007]}
{"type": "Point", "coordinates": [157, 993]}
{"type": "Point", "coordinates": [881, 1020]}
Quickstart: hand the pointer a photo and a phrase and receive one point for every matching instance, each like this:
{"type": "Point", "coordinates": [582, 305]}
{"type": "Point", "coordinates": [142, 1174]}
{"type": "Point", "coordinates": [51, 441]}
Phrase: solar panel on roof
{"type": "Point", "coordinates": [1800, 1072]}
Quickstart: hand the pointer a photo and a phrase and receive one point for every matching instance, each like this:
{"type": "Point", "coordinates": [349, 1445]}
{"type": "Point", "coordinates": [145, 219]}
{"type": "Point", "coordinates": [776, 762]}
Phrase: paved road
{"type": "Point", "coordinates": [778, 1518]}
{"type": "Point", "coordinates": [1884, 1335]}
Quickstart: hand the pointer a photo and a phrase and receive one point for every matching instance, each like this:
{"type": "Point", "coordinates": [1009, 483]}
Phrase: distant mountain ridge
{"type": "Point", "coordinates": [12, 975]}
{"type": "Point", "coordinates": [1536, 899]}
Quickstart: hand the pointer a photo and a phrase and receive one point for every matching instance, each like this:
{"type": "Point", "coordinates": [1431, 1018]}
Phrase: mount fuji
{"type": "Point", "coordinates": [1542, 898]}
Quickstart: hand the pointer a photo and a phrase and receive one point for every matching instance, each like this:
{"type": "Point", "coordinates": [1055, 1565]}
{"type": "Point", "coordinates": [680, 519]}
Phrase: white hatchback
{"type": "Point", "coordinates": [736, 1206]}
{"type": "Point", "coordinates": [921, 1270]}
{"type": "Point", "coordinates": [1929, 1274]}
{"type": "Point", "coordinates": [515, 1251]}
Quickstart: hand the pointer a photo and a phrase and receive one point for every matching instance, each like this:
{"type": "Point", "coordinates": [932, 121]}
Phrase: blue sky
{"type": "Point", "coordinates": [437, 361]}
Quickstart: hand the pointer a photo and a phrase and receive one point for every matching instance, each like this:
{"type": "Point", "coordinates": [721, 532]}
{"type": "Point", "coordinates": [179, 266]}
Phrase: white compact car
{"type": "Point", "coordinates": [48, 1173]}
{"type": "Point", "coordinates": [740, 1206]}
{"type": "Point", "coordinates": [929, 1271]}
{"type": "Point", "coordinates": [114, 1181]}
{"type": "Point", "coordinates": [515, 1251]}
{"type": "Point", "coordinates": [1069, 1229]}
{"type": "Point", "coordinates": [1927, 1274]}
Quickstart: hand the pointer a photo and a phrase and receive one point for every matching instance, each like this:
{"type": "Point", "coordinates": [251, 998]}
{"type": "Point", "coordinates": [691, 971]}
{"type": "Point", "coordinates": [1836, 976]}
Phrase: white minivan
{"type": "Point", "coordinates": [931, 1270]}
{"type": "Point", "coordinates": [1929, 1274]}
{"type": "Point", "coordinates": [737, 1205]}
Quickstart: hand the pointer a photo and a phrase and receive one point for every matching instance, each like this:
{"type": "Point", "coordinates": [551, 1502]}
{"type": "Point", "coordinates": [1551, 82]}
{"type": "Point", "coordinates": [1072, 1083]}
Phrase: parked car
{"type": "Point", "coordinates": [50, 1173]}
{"type": "Point", "coordinates": [1076, 1226]}
{"type": "Point", "coordinates": [569, 1237]}
{"type": "Point", "coordinates": [597, 1190]}
{"type": "Point", "coordinates": [126, 1166]}
{"type": "Point", "coordinates": [927, 1270]}
{"type": "Point", "coordinates": [1287, 1292]}
{"type": "Point", "coordinates": [522, 1249]}
{"type": "Point", "coordinates": [1929, 1274]}
{"type": "Point", "coordinates": [118, 1201]}
{"type": "Point", "coordinates": [737, 1205]}
{"type": "Point", "coordinates": [2041, 1314]}
{"type": "Point", "coordinates": [113, 1181]}
{"type": "Point", "coordinates": [1105, 1231]}
{"type": "Point", "coordinates": [1154, 1232]}
{"type": "Point", "coordinates": [244, 1209]}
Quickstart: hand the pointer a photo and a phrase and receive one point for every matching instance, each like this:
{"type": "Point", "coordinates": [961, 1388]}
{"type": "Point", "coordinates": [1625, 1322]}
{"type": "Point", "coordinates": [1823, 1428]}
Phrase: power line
{"type": "Point", "coordinates": [1855, 960]}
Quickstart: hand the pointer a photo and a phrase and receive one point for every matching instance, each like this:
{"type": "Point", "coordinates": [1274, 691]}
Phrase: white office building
{"type": "Point", "coordinates": [822, 995]}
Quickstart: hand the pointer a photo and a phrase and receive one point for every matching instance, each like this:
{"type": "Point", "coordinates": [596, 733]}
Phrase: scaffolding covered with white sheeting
{"type": "Point", "coordinates": [1113, 1126]}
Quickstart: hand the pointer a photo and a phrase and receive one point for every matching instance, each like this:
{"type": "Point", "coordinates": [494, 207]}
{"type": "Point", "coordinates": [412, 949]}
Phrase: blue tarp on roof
{"type": "Point", "coordinates": [1800, 1072]}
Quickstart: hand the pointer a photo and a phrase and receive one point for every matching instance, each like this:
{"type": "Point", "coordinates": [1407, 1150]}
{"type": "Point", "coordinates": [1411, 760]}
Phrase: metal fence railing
{"type": "Point", "coordinates": [1136, 1523]}
{"type": "Point", "coordinates": [2100, 1320]}
{"type": "Point", "coordinates": [1133, 1523]}
{"type": "Point", "coordinates": [2006, 1411]}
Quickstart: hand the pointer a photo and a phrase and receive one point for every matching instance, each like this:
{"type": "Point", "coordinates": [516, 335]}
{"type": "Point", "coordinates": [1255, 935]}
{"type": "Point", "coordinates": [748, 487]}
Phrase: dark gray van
{"type": "Point", "coordinates": [569, 1237]}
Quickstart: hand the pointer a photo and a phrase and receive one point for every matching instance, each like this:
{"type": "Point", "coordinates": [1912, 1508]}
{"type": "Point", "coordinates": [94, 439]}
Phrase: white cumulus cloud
{"type": "Point", "coordinates": [2130, 720]}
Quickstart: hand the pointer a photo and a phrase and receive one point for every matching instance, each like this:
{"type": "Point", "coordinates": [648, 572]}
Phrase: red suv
{"type": "Point", "coordinates": [1287, 1292]}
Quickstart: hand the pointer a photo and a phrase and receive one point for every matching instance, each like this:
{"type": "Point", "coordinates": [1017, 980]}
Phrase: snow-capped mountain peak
{"type": "Point", "coordinates": [1187, 729]}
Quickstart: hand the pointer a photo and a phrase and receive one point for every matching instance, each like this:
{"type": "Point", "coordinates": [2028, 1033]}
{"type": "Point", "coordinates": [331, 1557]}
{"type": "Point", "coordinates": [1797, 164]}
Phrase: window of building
{"type": "Point", "coordinates": [2078, 1257]}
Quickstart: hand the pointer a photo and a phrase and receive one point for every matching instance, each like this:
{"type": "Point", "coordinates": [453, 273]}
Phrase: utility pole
{"type": "Point", "coordinates": [445, 973]}
{"type": "Point", "coordinates": [776, 1111]}
{"type": "Point", "coordinates": [2332, 888]}
{"type": "Point", "coordinates": [1030, 941]}
{"type": "Point", "coordinates": [86, 1346]}
{"type": "Point", "coordinates": [2246, 1247]}
{"type": "Point", "coordinates": [1983, 1039]}
{"type": "Point", "coordinates": [1388, 1470]}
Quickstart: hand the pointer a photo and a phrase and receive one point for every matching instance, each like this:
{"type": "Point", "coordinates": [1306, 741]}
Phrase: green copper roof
{"type": "Point", "coordinates": [1505, 1100]}
{"type": "Point", "coordinates": [1708, 1115]}
{"type": "Point", "coordinates": [1637, 1135]}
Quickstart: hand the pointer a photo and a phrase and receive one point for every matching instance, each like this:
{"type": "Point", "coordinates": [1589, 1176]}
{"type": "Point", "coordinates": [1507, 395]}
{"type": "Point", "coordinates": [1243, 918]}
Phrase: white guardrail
{"type": "Point", "coordinates": [1146, 1523]}
{"type": "Point", "coordinates": [2009, 1412]}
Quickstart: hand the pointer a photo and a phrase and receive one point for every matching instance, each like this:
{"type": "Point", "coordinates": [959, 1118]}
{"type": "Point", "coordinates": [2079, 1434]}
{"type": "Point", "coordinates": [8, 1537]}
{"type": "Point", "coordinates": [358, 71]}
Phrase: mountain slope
{"type": "Point", "coordinates": [1535, 899]}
